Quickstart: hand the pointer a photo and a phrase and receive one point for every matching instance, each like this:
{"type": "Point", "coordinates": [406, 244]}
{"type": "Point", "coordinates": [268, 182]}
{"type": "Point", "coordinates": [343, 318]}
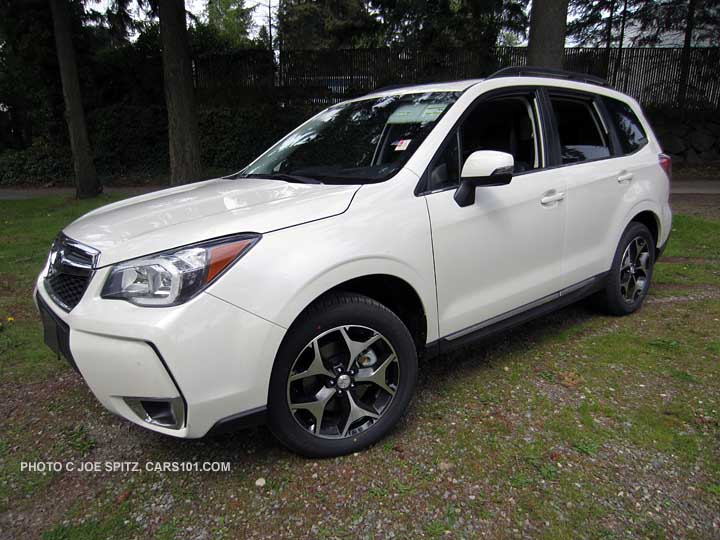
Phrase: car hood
{"type": "Point", "coordinates": [195, 212]}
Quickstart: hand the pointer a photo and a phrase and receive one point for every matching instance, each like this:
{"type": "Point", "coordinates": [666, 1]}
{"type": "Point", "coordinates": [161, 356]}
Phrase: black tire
{"type": "Point", "coordinates": [616, 299]}
{"type": "Point", "coordinates": [354, 313]}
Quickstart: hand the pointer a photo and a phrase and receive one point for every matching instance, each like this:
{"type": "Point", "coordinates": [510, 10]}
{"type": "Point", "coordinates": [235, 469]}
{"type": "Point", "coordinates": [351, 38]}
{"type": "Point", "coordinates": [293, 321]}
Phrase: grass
{"type": "Point", "coordinates": [686, 273]}
{"type": "Point", "coordinates": [575, 426]}
{"type": "Point", "coordinates": [79, 439]}
{"type": "Point", "coordinates": [694, 236]}
{"type": "Point", "coordinates": [115, 527]}
{"type": "Point", "coordinates": [27, 229]}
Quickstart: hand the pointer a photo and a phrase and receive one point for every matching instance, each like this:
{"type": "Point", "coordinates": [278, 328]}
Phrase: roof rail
{"type": "Point", "coordinates": [528, 71]}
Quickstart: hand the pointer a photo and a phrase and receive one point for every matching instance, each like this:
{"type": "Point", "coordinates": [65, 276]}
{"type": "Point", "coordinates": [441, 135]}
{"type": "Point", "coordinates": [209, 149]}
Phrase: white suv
{"type": "Point", "coordinates": [301, 290]}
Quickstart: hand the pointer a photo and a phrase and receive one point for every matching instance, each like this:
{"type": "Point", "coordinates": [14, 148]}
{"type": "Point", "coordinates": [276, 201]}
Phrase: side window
{"type": "Point", "coordinates": [503, 124]}
{"type": "Point", "coordinates": [582, 134]}
{"type": "Point", "coordinates": [629, 129]}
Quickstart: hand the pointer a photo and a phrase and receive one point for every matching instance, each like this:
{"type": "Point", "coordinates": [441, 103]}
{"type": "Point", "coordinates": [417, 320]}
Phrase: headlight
{"type": "Point", "coordinates": [173, 277]}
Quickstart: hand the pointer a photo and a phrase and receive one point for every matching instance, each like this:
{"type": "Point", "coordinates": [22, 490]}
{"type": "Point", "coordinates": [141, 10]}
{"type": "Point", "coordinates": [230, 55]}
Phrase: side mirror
{"type": "Point", "coordinates": [483, 168]}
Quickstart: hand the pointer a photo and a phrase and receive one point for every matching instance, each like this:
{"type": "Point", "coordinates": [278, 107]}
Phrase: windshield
{"type": "Point", "coordinates": [358, 142]}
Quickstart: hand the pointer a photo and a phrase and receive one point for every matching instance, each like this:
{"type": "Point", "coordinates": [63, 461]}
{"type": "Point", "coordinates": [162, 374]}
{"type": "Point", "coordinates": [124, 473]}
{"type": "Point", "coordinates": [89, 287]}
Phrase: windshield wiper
{"type": "Point", "coordinates": [294, 178]}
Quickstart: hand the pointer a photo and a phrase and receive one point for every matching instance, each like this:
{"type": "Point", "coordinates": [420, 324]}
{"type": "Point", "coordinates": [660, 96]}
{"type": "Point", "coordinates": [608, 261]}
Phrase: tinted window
{"type": "Point", "coordinates": [629, 129]}
{"type": "Point", "coordinates": [505, 124]}
{"type": "Point", "coordinates": [359, 141]}
{"type": "Point", "coordinates": [582, 137]}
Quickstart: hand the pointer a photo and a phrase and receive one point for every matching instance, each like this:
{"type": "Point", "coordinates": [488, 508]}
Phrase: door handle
{"type": "Point", "coordinates": [624, 177]}
{"type": "Point", "coordinates": [552, 197]}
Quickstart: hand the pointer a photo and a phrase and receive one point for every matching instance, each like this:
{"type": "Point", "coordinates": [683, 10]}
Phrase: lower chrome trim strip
{"type": "Point", "coordinates": [521, 309]}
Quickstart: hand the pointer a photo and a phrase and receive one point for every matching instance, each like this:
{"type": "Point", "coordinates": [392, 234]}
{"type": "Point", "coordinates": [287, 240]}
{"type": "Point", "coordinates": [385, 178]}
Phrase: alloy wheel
{"type": "Point", "coordinates": [634, 270]}
{"type": "Point", "coordinates": [343, 381]}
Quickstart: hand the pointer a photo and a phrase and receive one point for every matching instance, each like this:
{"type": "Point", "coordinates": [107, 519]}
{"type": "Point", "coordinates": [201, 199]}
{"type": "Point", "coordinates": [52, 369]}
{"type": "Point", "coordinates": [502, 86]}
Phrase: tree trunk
{"type": "Point", "coordinates": [86, 180]}
{"type": "Point", "coordinates": [623, 22]}
{"type": "Point", "coordinates": [546, 44]}
{"type": "Point", "coordinates": [270, 24]}
{"type": "Point", "coordinates": [685, 58]}
{"type": "Point", "coordinates": [608, 38]}
{"type": "Point", "coordinates": [185, 164]}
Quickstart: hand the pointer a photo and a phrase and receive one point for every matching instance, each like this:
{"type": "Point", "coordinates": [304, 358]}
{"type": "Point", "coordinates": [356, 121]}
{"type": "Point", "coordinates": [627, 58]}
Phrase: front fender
{"type": "Point", "coordinates": [331, 278]}
{"type": "Point", "coordinates": [288, 269]}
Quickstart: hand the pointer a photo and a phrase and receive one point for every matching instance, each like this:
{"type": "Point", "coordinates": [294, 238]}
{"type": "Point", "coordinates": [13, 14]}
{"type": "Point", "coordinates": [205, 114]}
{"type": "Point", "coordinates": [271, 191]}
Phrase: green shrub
{"type": "Point", "coordinates": [38, 164]}
{"type": "Point", "coordinates": [129, 140]}
{"type": "Point", "coordinates": [132, 141]}
{"type": "Point", "coordinates": [231, 137]}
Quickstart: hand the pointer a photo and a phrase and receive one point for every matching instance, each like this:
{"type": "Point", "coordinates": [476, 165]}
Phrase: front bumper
{"type": "Point", "coordinates": [212, 360]}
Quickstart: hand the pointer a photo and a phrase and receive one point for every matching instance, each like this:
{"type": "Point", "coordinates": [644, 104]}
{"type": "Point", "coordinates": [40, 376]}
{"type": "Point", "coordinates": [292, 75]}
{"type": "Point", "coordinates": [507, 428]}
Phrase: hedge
{"type": "Point", "coordinates": [132, 141]}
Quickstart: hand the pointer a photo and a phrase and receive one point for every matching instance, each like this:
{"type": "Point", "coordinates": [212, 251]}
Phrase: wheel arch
{"type": "Point", "coordinates": [652, 222]}
{"type": "Point", "coordinates": [648, 214]}
{"type": "Point", "coordinates": [390, 290]}
{"type": "Point", "coordinates": [395, 294]}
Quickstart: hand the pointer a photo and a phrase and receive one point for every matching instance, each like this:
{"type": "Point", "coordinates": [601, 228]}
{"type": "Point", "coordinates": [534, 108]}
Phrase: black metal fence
{"type": "Point", "coordinates": [652, 76]}
{"type": "Point", "coordinates": [321, 77]}
{"type": "Point", "coordinates": [225, 76]}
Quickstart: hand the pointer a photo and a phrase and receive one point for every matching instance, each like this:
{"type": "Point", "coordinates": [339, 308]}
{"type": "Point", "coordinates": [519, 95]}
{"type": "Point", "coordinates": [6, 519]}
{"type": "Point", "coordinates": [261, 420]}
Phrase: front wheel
{"type": "Point", "coordinates": [629, 279]}
{"type": "Point", "coordinates": [342, 378]}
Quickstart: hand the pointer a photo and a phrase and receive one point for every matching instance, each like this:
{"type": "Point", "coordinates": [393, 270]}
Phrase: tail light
{"type": "Point", "coordinates": [666, 164]}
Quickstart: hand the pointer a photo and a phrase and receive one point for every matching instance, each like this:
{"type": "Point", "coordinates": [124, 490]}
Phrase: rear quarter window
{"type": "Point", "coordinates": [629, 130]}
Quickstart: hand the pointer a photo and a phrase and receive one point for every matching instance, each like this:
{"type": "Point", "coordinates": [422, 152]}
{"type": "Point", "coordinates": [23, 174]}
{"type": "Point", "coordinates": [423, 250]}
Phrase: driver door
{"type": "Point", "coordinates": [504, 252]}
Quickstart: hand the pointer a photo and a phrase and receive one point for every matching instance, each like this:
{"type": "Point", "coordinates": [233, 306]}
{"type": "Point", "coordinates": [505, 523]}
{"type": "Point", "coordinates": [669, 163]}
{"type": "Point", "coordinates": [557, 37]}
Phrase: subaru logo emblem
{"type": "Point", "coordinates": [56, 256]}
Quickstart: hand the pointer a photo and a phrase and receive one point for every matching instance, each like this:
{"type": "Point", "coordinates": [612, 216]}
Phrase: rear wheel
{"type": "Point", "coordinates": [629, 279]}
{"type": "Point", "coordinates": [343, 377]}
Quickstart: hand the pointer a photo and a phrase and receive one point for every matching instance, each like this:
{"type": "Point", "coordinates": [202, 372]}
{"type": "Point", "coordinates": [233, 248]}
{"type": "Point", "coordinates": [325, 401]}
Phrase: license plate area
{"type": "Point", "coordinates": [56, 333]}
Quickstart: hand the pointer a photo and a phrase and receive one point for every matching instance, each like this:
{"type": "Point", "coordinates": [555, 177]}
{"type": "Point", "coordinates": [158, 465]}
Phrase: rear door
{"type": "Point", "coordinates": [582, 154]}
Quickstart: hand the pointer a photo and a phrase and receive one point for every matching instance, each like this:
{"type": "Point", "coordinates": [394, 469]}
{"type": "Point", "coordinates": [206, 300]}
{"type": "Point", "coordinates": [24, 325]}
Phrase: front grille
{"type": "Point", "coordinates": [70, 268]}
{"type": "Point", "coordinates": [67, 289]}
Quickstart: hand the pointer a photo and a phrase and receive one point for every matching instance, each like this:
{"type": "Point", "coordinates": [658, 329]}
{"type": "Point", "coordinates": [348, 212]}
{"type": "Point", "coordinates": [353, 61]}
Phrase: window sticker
{"type": "Point", "coordinates": [417, 114]}
{"type": "Point", "coordinates": [432, 112]}
{"type": "Point", "coordinates": [402, 144]}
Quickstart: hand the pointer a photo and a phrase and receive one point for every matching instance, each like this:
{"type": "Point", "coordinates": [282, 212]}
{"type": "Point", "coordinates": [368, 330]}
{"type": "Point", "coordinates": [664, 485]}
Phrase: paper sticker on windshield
{"type": "Point", "coordinates": [417, 114]}
{"type": "Point", "coordinates": [431, 112]}
{"type": "Point", "coordinates": [402, 145]}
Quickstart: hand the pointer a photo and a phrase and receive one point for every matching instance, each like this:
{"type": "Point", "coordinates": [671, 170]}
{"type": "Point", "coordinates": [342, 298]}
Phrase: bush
{"type": "Point", "coordinates": [38, 164]}
{"type": "Point", "coordinates": [231, 138]}
{"type": "Point", "coordinates": [129, 140]}
{"type": "Point", "coordinates": [132, 141]}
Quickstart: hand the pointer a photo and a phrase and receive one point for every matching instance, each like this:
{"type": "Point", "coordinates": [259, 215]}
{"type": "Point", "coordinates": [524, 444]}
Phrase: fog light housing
{"type": "Point", "coordinates": [168, 413]}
